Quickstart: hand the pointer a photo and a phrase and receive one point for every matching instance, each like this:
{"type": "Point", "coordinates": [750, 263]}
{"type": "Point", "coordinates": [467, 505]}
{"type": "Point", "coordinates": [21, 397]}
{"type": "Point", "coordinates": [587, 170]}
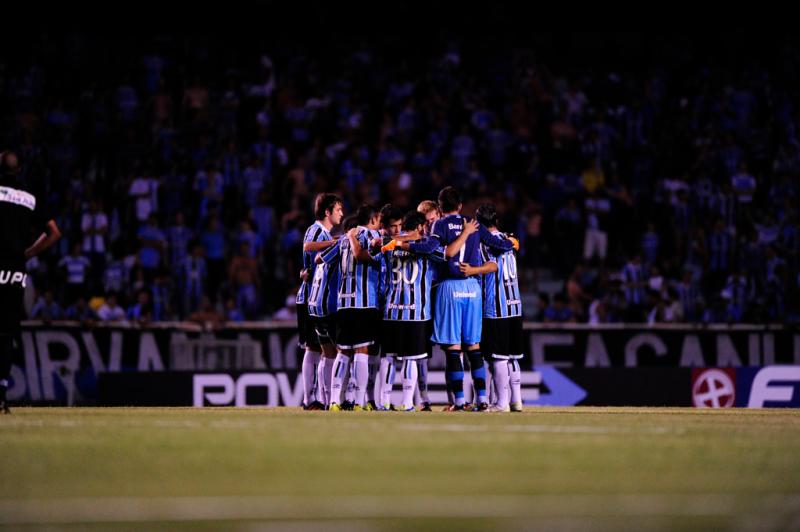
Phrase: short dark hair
{"type": "Point", "coordinates": [364, 214]}
{"type": "Point", "coordinates": [449, 199]}
{"type": "Point", "coordinates": [323, 203]}
{"type": "Point", "coordinates": [349, 222]}
{"type": "Point", "coordinates": [412, 220]}
{"type": "Point", "coordinates": [487, 215]}
{"type": "Point", "coordinates": [388, 213]}
{"type": "Point", "coordinates": [9, 164]}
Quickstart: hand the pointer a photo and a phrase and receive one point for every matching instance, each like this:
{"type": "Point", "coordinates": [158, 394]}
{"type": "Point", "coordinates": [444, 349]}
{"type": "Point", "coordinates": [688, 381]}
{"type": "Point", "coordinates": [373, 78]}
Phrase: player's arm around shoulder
{"type": "Point", "coordinates": [500, 242]}
{"type": "Point", "coordinates": [454, 247]}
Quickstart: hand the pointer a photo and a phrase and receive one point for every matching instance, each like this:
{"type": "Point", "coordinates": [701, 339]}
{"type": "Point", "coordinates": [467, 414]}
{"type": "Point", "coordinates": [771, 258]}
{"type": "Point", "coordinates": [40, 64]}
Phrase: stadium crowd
{"type": "Point", "coordinates": [182, 173]}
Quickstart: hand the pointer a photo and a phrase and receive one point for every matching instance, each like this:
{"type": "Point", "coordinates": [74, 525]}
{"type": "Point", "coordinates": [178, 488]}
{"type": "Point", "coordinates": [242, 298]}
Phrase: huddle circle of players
{"type": "Point", "coordinates": [394, 284]}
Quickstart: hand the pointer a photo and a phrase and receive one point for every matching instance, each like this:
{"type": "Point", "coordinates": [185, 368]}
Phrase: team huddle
{"type": "Point", "coordinates": [392, 285]}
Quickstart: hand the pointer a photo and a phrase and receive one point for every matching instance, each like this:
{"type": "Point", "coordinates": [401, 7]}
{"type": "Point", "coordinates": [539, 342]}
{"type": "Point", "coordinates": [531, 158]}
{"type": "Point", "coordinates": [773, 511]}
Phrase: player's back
{"type": "Point", "coordinates": [409, 280]}
{"type": "Point", "coordinates": [359, 281]}
{"type": "Point", "coordinates": [17, 206]}
{"type": "Point", "coordinates": [448, 229]}
{"type": "Point", "coordinates": [501, 288]}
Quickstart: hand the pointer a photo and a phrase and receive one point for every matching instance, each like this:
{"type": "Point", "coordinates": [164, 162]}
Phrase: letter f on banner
{"type": "Point", "coordinates": [764, 391]}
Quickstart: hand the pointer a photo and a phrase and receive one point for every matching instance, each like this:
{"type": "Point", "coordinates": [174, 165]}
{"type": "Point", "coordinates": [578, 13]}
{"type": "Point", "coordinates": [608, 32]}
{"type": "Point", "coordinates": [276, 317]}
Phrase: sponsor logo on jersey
{"type": "Point", "coordinates": [17, 197]}
{"type": "Point", "coordinates": [11, 277]}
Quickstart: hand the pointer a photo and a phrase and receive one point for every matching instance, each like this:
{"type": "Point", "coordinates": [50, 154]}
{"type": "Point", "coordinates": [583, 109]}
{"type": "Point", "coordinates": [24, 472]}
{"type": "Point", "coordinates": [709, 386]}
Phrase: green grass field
{"type": "Point", "coordinates": [254, 469]}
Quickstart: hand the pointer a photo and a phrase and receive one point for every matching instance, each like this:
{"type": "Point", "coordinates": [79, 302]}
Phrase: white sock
{"type": "Point", "coordinates": [422, 379]}
{"type": "Point", "coordinates": [350, 389]}
{"type": "Point", "coordinates": [516, 381]}
{"type": "Point", "coordinates": [340, 365]}
{"type": "Point", "coordinates": [310, 362]}
{"type": "Point", "coordinates": [409, 382]}
{"type": "Point", "coordinates": [324, 371]}
{"type": "Point", "coordinates": [500, 378]}
{"type": "Point", "coordinates": [386, 375]}
{"type": "Point", "coordinates": [361, 376]}
{"type": "Point", "coordinates": [373, 371]}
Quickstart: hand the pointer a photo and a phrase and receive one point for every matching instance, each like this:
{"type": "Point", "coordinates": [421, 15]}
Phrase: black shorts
{"type": "Point", "coordinates": [406, 339]}
{"type": "Point", "coordinates": [357, 327]}
{"type": "Point", "coordinates": [306, 334]}
{"type": "Point", "coordinates": [10, 308]}
{"type": "Point", "coordinates": [502, 338]}
{"type": "Point", "coordinates": [324, 328]}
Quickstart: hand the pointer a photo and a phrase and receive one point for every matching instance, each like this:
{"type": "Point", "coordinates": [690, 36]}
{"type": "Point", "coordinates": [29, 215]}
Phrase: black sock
{"type": "Point", "coordinates": [478, 369]}
{"type": "Point", "coordinates": [455, 371]}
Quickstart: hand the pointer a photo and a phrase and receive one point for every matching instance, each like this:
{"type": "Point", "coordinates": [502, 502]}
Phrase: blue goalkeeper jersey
{"type": "Point", "coordinates": [447, 229]}
{"type": "Point", "coordinates": [359, 282]}
{"type": "Point", "coordinates": [324, 290]}
{"type": "Point", "coordinates": [409, 278]}
{"type": "Point", "coordinates": [315, 233]}
{"type": "Point", "coordinates": [501, 296]}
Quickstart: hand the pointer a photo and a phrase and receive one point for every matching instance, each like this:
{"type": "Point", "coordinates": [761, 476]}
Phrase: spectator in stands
{"type": "Point", "coordinates": [141, 312]}
{"type": "Point", "coordinates": [558, 312]}
{"type": "Point", "coordinates": [80, 311]}
{"type": "Point", "coordinates": [193, 280]}
{"type": "Point", "coordinates": [153, 244]}
{"type": "Point", "coordinates": [110, 311]}
{"type": "Point", "coordinates": [75, 268]}
{"type": "Point", "coordinates": [243, 277]}
{"type": "Point", "coordinates": [46, 308]}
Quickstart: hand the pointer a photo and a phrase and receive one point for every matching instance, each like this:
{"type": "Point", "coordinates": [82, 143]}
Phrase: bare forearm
{"type": "Point", "coordinates": [318, 246]}
{"type": "Point", "coordinates": [44, 241]}
{"type": "Point", "coordinates": [488, 267]}
{"type": "Point", "coordinates": [455, 246]}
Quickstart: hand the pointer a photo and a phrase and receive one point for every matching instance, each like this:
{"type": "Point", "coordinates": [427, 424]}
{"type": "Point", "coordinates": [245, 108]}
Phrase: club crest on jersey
{"type": "Point", "coordinates": [11, 277]}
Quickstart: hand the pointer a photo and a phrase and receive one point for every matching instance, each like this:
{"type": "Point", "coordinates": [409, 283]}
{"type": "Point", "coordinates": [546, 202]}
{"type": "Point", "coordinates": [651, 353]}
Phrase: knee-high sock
{"type": "Point", "coordinates": [387, 379]}
{"type": "Point", "coordinates": [422, 379]}
{"type": "Point", "coordinates": [491, 392]}
{"type": "Point", "coordinates": [350, 384]}
{"type": "Point", "coordinates": [409, 382]}
{"type": "Point", "coordinates": [515, 377]}
{"type": "Point", "coordinates": [455, 370]}
{"type": "Point", "coordinates": [373, 371]}
{"type": "Point", "coordinates": [501, 381]}
{"type": "Point", "coordinates": [340, 365]}
{"type": "Point", "coordinates": [478, 370]}
{"type": "Point", "coordinates": [361, 376]}
{"type": "Point", "coordinates": [324, 371]}
{"type": "Point", "coordinates": [310, 363]}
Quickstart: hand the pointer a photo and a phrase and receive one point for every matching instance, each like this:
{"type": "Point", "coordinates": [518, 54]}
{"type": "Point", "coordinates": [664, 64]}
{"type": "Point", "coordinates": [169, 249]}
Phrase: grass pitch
{"type": "Point", "coordinates": [254, 469]}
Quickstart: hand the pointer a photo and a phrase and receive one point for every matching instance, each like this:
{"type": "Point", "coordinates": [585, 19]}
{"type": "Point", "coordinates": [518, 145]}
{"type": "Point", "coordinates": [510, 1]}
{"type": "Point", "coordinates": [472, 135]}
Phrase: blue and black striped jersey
{"type": "Point", "coordinates": [315, 233]}
{"type": "Point", "coordinates": [501, 296]}
{"type": "Point", "coordinates": [409, 278]}
{"type": "Point", "coordinates": [359, 282]}
{"type": "Point", "coordinates": [324, 291]}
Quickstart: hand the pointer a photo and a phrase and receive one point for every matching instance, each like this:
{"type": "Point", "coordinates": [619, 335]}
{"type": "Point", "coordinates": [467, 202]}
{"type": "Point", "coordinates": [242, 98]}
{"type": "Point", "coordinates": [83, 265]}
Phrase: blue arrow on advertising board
{"type": "Point", "coordinates": [563, 392]}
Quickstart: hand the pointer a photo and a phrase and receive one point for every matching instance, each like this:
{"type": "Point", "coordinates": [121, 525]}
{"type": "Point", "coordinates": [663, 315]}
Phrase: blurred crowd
{"type": "Point", "coordinates": [182, 171]}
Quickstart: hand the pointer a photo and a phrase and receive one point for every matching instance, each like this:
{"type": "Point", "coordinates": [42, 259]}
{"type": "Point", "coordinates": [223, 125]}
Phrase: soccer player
{"type": "Point", "coordinates": [501, 341]}
{"type": "Point", "coordinates": [322, 301]}
{"type": "Point", "coordinates": [357, 315]}
{"type": "Point", "coordinates": [432, 213]}
{"type": "Point", "coordinates": [407, 313]}
{"type": "Point", "coordinates": [391, 223]}
{"type": "Point", "coordinates": [458, 312]}
{"type": "Point", "coordinates": [328, 212]}
{"type": "Point", "coordinates": [19, 212]}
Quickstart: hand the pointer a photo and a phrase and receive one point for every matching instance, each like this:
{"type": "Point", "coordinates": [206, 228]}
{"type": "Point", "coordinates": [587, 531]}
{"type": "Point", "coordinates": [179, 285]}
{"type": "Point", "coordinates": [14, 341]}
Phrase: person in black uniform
{"type": "Point", "coordinates": [19, 213]}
